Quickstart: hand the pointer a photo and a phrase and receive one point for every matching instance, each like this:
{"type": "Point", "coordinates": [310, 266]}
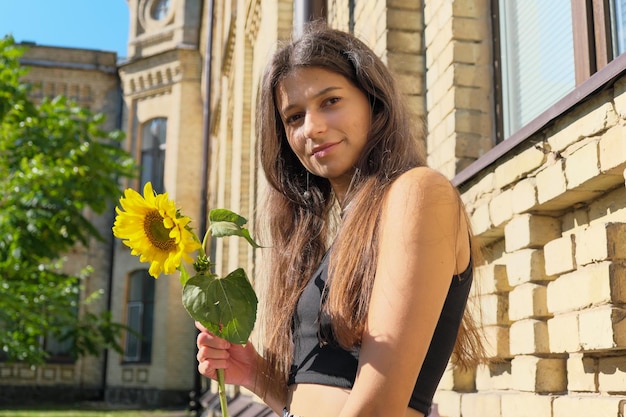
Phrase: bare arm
{"type": "Point", "coordinates": [423, 242]}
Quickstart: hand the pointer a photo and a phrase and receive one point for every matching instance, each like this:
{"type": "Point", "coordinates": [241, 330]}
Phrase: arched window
{"type": "Point", "coordinates": [139, 317]}
{"type": "Point", "coordinates": [153, 153]}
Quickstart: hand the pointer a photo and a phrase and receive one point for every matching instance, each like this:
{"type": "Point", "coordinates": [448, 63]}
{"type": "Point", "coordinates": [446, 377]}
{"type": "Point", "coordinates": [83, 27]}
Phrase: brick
{"type": "Point", "coordinates": [563, 333]}
{"type": "Point", "coordinates": [518, 166]}
{"type": "Point", "coordinates": [457, 379]}
{"type": "Point", "coordinates": [583, 165]}
{"type": "Point", "coordinates": [472, 122]}
{"type": "Point", "coordinates": [611, 207]}
{"type": "Point", "coordinates": [471, 145]}
{"type": "Point", "coordinates": [601, 241]}
{"type": "Point", "coordinates": [403, 5]}
{"type": "Point", "coordinates": [407, 63]}
{"type": "Point", "coordinates": [524, 195]}
{"type": "Point", "coordinates": [480, 405]}
{"type": "Point", "coordinates": [602, 328]}
{"type": "Point", "coordinates": [496, 341]}
{"type": "Point", "coordinates": [481, 222]}
{"type": "Point", "coordinates": [530, 231]}
{"type": "Point", "coordinates": [620, 97]}
{"type": "Point", "coordinates": [483, 187]}
{"type": "Point", "coordinates": [573, 219]}
{"type": "Point", "coordinates": [494, 309]}
{"type": "Point", "coordinates": [612, 374]}
{"type": "Point", "coordinates": [581, 373]}
{"type": "Point", "coordinates": [529, 336]}
{"type": "Point", "coordinates": [403, 19]}
{"type": "Point", "coordinates": [494, 376]}
{"type": "Point", "coordinates": [469, 29]}
{"type": "Point", "coordinates": [551, 182]}
{"type": "Point", "coordinates": [404, 41]}
{"type": "Point", "coordinates": [491, 279]}
{"type": "Point", "coordinates": [471, 98]}
{"type": "Point", "coordinates": [540, 375]}
{"type": "Point", "coordinates": [528, 300]}
{"type": "Point", "coordinates": [477, 54]}
{"type": "Point", "coordinates": [559, 255]}
{"type": "Point", "coordinates": [526, 405]}
{"type": "Point", "coordinates": [526, 265]}
{"type": "Point", "coordinates": [473, 76]}
{"type": "Point", "coordinates": [501, 208]}
{"type": "Point", "coordinates": [586, 405]}
{"type": "Point", "coordinates": [448, 403]}
{"type": "Point", "coordinates": [475, 9]}
{"type": "Point", "coordinates": [586, 121]}
{"type": "Point", "coordinates": [595, 284]}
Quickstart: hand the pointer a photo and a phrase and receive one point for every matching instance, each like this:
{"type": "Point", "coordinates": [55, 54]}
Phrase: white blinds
{"type": "Point", "coordinates": [619, 30]}
{"type": "Point", "coordinates": [537, 55]}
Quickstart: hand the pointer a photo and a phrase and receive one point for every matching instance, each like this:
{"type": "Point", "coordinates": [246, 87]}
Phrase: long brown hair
{"type": "Point", "coordinates": [300, 229]}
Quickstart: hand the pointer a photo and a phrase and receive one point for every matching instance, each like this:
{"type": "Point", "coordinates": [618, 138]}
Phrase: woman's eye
{"type": "Point", "coordinates": [332, 100]}
{"type": "Point", "coordinates": [293, 118]}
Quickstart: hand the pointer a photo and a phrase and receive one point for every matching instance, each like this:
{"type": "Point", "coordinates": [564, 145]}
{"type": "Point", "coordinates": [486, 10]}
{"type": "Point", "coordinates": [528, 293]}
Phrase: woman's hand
{"type": "Point", "coordinates": [240, 363]}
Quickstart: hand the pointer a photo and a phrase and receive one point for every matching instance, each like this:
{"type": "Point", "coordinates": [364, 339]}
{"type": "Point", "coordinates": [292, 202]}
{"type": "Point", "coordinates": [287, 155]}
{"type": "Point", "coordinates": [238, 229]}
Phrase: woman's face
{"type": "Point", "coordinates": [327, 120]}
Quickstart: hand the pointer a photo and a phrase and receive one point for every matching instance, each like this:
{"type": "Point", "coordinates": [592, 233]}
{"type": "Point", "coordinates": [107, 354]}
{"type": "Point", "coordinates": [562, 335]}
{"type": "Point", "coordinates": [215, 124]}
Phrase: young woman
{"type": "Point", "coordinates": [370, 259]}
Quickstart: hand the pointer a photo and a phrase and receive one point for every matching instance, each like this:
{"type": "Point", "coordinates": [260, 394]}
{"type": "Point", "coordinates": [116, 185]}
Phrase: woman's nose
{"type": "Point", "coordinates": [314, 125]}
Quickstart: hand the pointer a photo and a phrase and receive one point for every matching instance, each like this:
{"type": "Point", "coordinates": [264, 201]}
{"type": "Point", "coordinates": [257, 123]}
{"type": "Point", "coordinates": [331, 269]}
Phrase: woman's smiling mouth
{"type": "Point", "coordinates": [321, 151]}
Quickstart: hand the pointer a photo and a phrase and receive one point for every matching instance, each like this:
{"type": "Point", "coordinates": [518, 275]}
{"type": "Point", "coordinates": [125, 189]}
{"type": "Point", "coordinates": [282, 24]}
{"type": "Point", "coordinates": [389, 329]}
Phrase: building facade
{"type": "Point", "coordinates": [524, 104]}
{"type": "Point", "coordinates": [89, 78]}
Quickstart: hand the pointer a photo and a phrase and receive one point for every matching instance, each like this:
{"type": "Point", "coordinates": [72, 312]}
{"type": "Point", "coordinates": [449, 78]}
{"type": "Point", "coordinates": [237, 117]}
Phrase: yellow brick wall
{"type": "Point", "coordinates": [554, 226]}
{"type": "Point", "coordinates": [552, 220]}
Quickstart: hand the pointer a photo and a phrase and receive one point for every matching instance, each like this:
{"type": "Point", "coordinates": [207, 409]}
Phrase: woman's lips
{"type": "Point", "coordinates": [322, 150]}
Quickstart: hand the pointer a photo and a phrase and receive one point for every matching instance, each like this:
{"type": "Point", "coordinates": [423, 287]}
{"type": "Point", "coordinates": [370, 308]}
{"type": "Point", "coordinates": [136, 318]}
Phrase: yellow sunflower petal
{"type": "Point", "coordinates": [149, 226]}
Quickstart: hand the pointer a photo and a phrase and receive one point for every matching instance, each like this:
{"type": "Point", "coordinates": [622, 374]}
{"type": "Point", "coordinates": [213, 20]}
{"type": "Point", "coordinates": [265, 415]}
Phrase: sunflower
{"type": "Point", "coordinates": [154, 230]}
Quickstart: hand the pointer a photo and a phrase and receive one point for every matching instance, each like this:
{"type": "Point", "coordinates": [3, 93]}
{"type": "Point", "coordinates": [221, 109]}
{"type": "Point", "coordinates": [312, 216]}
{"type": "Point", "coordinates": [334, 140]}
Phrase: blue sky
{"type": "Point", "coordinates": [92, 24]}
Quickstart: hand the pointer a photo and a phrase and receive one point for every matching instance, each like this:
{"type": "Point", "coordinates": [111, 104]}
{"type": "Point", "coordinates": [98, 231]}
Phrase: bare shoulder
{"type": "Point", "coordinates": [423, 186]}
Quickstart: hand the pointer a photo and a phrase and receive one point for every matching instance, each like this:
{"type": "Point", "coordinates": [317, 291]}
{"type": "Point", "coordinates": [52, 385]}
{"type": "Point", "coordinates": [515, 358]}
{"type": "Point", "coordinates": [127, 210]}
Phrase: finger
{"type": "Point", "coordinates": [206, 353]}
{"type": "Point", "coordinates": [210, 340]}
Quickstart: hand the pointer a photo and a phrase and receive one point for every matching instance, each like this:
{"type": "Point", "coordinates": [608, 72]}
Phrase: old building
{"type": "Point", "coordinates": [525, 108]}
{"type": "Point", "coordinates": [90, 78]}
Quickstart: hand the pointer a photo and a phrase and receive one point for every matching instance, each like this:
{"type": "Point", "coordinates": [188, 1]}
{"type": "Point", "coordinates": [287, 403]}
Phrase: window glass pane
{"type": "Point", "coordinates": [139, 317]}
{"type": "Point", "coordinates": [133, 321]}
{"type": "Point", "coordinates": [619, 26]}
{"type": "Point", "coordinates": [537, 56]}
{"type": "Point", "coordinates": [135, 286]}
{"type": "Point", "coordinates": [153, 153]}
{"type": "Point", "coordinates": [146, 341]}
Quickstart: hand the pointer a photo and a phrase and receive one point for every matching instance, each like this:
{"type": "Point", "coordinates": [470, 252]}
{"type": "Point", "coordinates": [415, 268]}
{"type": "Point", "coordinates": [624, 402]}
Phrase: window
{"type": "Point", "coordinates": [619, 26]}
{"type": "Point", "coordinates": [139, 317]}
{"type": "Point", "coordinates": [545, 49]}
{"type": "Point", "coordinates": [160, 8]}
{"type": "Point", "coordinates": [537, 58]}
{"type": "Point", "coordinates": [153, 153]}
{"type": "Point", "coordinates": [58, 350]}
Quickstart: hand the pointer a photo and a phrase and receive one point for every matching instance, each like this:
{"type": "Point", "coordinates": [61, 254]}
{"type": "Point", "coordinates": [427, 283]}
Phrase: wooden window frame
{"type": "Point", "coordinates": [593, 50]}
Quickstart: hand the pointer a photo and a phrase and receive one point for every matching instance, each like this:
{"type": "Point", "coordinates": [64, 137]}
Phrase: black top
{"type": "Point", "coordinates": [318, 359]}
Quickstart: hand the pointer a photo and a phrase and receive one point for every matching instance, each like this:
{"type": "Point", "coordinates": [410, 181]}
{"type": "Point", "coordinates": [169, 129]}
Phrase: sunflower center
{"type": "Point", "coordinates": [157, 234]}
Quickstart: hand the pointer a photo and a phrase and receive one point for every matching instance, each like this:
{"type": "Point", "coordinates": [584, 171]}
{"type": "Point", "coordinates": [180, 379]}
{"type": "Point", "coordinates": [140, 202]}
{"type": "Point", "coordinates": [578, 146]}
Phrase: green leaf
{"type": "Point", "coordinates": [225, 215]}
{"type": "Point", "coordinates": [224, 223]}
{"type": "Point", "coordinates": [184, 275]}
{"type": "Point", "coordinates": [225, 306]}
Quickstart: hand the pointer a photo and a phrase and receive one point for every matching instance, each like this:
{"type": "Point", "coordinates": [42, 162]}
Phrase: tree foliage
{"type": "Point", "coordinates": [56, 165]}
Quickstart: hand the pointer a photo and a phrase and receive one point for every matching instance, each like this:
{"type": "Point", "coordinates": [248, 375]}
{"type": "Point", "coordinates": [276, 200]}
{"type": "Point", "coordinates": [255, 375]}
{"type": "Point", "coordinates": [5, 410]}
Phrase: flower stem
{"type": "Point", "coordinates": [222, 392]}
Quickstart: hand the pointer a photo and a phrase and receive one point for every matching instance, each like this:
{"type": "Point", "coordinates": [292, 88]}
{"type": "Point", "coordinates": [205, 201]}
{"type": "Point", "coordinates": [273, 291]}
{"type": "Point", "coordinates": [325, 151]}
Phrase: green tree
{"type": "Point", "coordinates": [56, 164]}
